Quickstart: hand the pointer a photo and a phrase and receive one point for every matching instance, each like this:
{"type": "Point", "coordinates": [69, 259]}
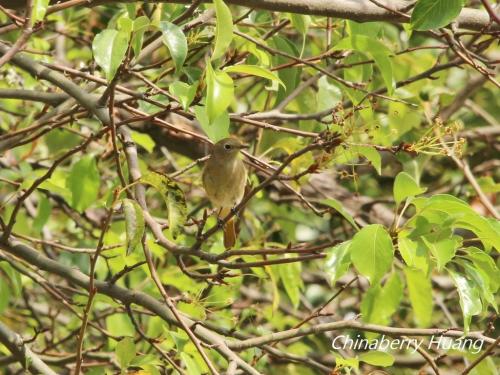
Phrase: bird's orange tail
{"type": "Point", "coordinates": [229, 234]}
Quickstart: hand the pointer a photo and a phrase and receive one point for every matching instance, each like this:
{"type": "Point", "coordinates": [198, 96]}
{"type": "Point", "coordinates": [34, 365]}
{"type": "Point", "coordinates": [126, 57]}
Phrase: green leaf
{"type": "Point", "coordinates": [413, 253]}
{"type": "Point", "coordinates": [290, 275]}
{"type": "Point", "coordinates": [134, 223]}
{"type": "Point", "coordinates": [43, 213]}
{"type": "Point", "coordinates": [289, 76]}
{"type": "Point", "coordinates": [140, 25]}
{"type": "Point", "coordinates": [190, 363]}
{"type": "Point", "coordinates": [432, 14]}
{"type": "Point", "coordinates": [470, 302]}
{"type": "Point", "coordinates": [341, 362]}
{"type": "Point", "coordinates": [184, 92]}
{"type": "Point", "coordinates": [176, 41]}
{"type": "Point", "coordinates": [328, 95]}
{"type": "Point", "coordinates": [337, 261]}
{"type": "Point", "coordinates": [405, 186]}
{"type": "Point", "coordinates": [372, 156]}
{"type": "Point", "coordinates": [125, 352]}
{"type": "Point", "coordinates": [340, 209]}
{"type": "Point", "coordinates": [5, 294]}
{"type": "Point", "coordinates": [420, 293]}
{"type": "Point", "coordinates": [462, 214]}
{"type": "Point", "coordinates": [125, 24]}
{"type": "Point", "coordinates": [174, 199]}
{"type": "Point", "coordinates": [378, 51]}
{"type": "Point", "coordinates": [377, 358]}
{"type": "Point", "coordinates": [443, 250]}
{"type": "Point", "coordinates": [217, 129]}
{"type": "Point", "coordinates": [486, 264]}
{"type": "Point", "coordinates": [39, 10]}
{"type": "Point", "coordinates": [380, 303]}
{"type": "Point", "coordinates": [220, 92]}
{"type": "Point", "coordinates": [14, 277]}
{"type": "Point", "coordinates": [120, 325]}
{"type": "Point", "coordinates": [223, 29]}
{"type": "Point", "coordinates": [483, 281]}
{"type": "Point", "coordinates": [144, 140]}
{"type": "Point", "coordinates": [109, 48]}
{"type": "Point", "coordinates": [255, 71]}
{"type": "Point", "coordinates": [372, 252]}
{"type": "Point", "coordinates": [83, 182]}
{"type": "Point", "coordinates": [301, 22]}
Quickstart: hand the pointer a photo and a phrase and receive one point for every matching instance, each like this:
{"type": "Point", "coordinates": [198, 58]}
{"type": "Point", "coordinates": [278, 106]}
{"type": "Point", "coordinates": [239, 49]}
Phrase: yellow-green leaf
{"type": "Point", "coordinates": [223, 29]}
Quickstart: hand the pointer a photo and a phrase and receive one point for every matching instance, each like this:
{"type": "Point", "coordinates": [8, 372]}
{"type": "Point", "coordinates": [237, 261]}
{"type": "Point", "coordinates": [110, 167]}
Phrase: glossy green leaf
{"type": "Point", "coordinates": [337, 261]}
{"type": "Point", "coordinates": [184, 92]}
{"type": "Point", "coordinates": [125, 352]}
{"type": "Point", "coordinates": [223, 29]}
{"type": "Point", "coordinates": [140, 26]}
{"type": "Point", "coordinates": [125, 24]}
{"type": "Point", "coordinates": [405, 186]}
{"type": "Point", "coordinates": [372, 252]}
{"type": "Point", "coordinates": [134, 223]}
{"type": "Point", "coordinates": [255, 71]}
{"type": "Point", "coordinates": [332, 202]}
{"type": "Point", "coordinates": [462, 214]}
{"type": "Point", "coordinates": [377, 358]}
{"type": "Point", "coordinates": [215, 130]}
{"type": "Point", "coordinates": [413, 253]}
{"type": "Point", "coordinates": [83, 182]}
{"type": "Point", "coordinates": [220, 92]}
{"type": "Point", "coordinates": [470, 302]}
{"type": "Point", "coordinates": [39, 10]}
{"type": "Point", "coordinates": [483, 282]}
{"type": "Point", "coordinates": [420, 293]}
{"type": "Point", "coordinates": [432, 14]}
{"type": "Point", "coordinates": [174, 199]}
{"type": "Point", "coordinates": [109, 48]}
{"type": "Point", "coordinates": [175, 40]}
{"type": "Point", "coordinates": [443, 251]}
{"type": "Point", "coordinates": [485, 263]}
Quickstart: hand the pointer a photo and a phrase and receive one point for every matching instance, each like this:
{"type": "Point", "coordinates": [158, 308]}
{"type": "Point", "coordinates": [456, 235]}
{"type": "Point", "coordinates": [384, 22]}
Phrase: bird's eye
{"type": "Point", "coordinates": [227, 146]}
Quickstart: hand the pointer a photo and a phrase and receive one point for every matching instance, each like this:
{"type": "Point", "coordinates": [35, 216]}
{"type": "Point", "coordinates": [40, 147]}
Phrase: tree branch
{"type": "Point", "coordinates": [23, 354]}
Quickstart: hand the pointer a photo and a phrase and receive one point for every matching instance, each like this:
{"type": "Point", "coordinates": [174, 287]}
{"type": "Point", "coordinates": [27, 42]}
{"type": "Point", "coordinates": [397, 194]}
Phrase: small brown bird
{"type": "Point", "coordinates": [224, 180]}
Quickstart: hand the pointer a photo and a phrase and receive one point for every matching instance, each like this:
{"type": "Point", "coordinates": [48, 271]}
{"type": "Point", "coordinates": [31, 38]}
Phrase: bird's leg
{"type": "Point", "coordinates": [220, 223]}
{"type": "Point", "coordinates": [235, 212]}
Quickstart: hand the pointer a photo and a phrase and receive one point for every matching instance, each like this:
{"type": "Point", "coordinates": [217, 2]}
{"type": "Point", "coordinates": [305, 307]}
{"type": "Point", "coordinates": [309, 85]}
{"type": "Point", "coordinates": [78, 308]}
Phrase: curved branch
{"type": "Point", "coordinates": [125, 296]}
{"type": "Point", "coordinates": [356, 10]}
{"type": "Point", "coordinates": [350, 324]}
{"type": "Point", "coordinates": [22, 353]}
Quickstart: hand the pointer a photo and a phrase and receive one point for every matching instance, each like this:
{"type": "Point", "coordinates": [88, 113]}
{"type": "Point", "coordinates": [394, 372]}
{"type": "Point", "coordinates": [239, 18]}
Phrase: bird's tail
{"type": "Point", "coordinates": [229, 229]}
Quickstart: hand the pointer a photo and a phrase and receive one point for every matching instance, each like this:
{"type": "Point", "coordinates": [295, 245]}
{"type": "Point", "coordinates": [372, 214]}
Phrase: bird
{"type": "Point", "coordinates": [224, 179]}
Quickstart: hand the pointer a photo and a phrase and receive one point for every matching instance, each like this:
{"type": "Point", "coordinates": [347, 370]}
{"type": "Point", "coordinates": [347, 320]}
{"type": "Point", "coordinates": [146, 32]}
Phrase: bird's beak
{"type": "Point", "coordinates": [243, 146]}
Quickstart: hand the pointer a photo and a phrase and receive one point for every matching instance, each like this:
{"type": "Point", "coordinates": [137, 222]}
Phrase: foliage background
{"type": "Point", "coordinates": [371, 200]}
